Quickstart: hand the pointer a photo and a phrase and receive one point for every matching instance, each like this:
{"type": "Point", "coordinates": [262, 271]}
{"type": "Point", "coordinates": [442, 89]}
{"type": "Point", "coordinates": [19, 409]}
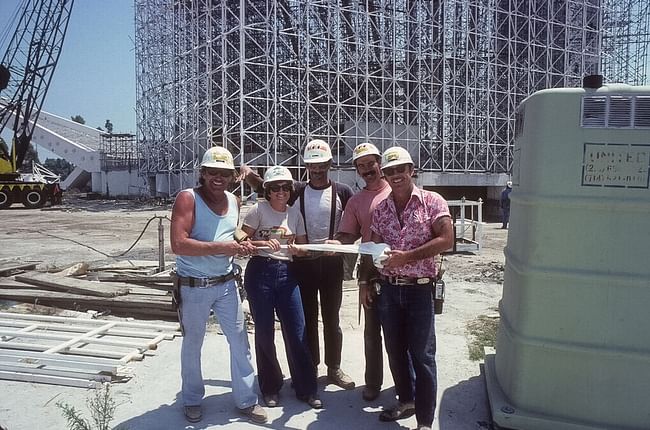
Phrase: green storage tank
{"type": "Point", "coordinates": [573, 346]}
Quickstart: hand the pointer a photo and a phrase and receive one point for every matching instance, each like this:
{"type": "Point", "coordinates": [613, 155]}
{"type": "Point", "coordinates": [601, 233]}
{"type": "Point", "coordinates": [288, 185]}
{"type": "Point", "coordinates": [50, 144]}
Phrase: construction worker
{"type": "Point", "coordinates": [202, 236]}
{"type": "Point", "coordinates": [321, 202]}
{"type": "Point", "coordinates": [505, 205]}
{"type": "Point", "coordinates": [272, 288]}
{"type": "Point", "coordinates": [416, 225]}
{"type": "Point", "coordinates": [355, 224]}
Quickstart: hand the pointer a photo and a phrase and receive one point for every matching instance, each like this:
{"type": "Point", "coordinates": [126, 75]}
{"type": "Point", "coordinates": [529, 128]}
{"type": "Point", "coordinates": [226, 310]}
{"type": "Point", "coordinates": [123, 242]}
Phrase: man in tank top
{"type": "Point", "coordinates": [202, 236]}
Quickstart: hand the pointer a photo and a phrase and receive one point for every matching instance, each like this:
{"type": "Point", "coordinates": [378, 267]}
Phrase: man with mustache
{"type": "Point", "coordinates": [355, 224]}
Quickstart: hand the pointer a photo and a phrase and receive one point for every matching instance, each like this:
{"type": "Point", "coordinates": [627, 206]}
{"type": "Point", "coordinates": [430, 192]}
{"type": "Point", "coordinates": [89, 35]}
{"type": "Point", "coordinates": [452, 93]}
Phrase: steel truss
{"type": "Point", "coordinates": [440, 78]}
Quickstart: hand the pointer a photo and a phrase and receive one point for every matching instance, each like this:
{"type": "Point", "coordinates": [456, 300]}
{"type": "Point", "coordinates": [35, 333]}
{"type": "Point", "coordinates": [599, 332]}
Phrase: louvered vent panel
{"type": "Point", "coordinates": [642, 112]}
{"type": "Point", "coordinates": [620, 112]}
{"type": "Point", "coordinates": [593, 111]}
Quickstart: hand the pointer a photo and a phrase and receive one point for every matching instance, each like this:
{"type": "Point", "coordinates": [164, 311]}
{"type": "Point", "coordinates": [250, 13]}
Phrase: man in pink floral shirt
{"type": "Point", "coordinates": [416, 224]}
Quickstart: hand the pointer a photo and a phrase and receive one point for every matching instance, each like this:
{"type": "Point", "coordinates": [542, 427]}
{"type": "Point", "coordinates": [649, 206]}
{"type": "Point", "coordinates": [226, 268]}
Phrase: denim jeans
{"type": "Point", "coordinates": [407, 317]}
{"type": "Point", "coordinates": [272, 288]}
{"type": "Point", "coordinates": [196, 303]}
{"type": "Point", "coordinates": [322, 276]}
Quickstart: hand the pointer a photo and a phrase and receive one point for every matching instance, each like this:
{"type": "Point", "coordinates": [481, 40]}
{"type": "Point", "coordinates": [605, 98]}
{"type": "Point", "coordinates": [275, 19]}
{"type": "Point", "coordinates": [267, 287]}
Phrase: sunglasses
{"type": "Point", "coordinates": [390, 171]}
{"type": "Point", "coordinates": [218, 172]}
{"type": "Point", "coordinates": [284, 187]}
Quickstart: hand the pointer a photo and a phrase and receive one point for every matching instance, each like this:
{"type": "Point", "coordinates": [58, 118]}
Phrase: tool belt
{"type": "Point", "coordinates": [406, 280]}
{"type": "Point", "coordinates": [205, 282]}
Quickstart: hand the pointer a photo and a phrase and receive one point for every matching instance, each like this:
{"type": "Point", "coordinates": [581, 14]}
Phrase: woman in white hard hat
{"type": "Point", "coordinates": [272, 288]}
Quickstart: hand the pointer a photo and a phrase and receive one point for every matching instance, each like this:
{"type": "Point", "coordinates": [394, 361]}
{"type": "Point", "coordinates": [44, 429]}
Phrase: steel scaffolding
{"type": "Point", "coordinates": [440, 78]}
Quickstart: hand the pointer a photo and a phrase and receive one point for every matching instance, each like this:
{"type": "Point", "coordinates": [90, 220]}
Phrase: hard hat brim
{"type": "Point", "coordinates": [218, 165]}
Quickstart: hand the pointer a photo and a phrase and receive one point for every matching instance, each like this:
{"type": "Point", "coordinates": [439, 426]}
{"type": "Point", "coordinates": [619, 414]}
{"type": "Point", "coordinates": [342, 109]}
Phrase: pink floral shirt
{"type": "Point", "coordinates": [423, 209]}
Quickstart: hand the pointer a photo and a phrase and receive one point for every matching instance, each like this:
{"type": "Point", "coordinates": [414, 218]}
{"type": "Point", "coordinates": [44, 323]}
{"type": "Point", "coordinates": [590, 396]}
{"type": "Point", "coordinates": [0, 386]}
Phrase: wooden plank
{"type": "Point", "coordinates": [85, 338]}
{"type": "Point", "coordinates": [74, 285]}
{"type": "Point", "coordinates": [56, 360]}
{"type": "Point", "coordinates": [81, 329]}
{"type": "Point", "coordinates": [128, 264]}
{"type": "Point", "coordinates": [34, 369]}
{"type": "Point", "coordinates": [47, 379]}
{"type": "Point", "coordinates": [7, 269]}
{"type": "Point", "coordinates": [124, 277]}
{"type": "Point", "coordinates": [53, 318]}
{"type": "Point", "coordinates": [12, 283]}
{"type": "Point", "coordinates": [142, 311]}
{"type": "Point", "coordinates": [137, 302]}
{"type": "Point", "coordinates": [86, 353]}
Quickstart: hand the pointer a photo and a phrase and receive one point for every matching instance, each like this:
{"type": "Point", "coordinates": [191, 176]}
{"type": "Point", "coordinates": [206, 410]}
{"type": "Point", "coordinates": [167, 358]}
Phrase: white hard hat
{"type": "Point", "coordinates": [364, 149]}
{"type": "Point", "coordinates": [276, 174]}
{"type": "Point", "coordinates": [317, 151]}
{"type": "Point", "coordinates": [218, 157]}
{"type": "Point", "coordinates": [395, 156]}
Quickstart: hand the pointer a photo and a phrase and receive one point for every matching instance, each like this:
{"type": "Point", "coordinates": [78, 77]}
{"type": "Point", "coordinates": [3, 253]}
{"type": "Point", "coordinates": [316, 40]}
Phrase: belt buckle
{"type": "Point", "coordinates": [423, 281]}
{"type": "Point", "coordinates": [398, 280]}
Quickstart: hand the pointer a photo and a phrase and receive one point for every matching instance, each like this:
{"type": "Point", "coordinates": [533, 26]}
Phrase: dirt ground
{"type": "Point", "coordinates": [95, 230]}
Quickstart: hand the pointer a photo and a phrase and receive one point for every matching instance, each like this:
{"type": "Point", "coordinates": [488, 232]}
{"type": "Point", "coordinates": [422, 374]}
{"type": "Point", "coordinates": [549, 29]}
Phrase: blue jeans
{"type": "Point", "coordinates": [407, 317]}
{"type": "Point", "coordinates": [272, 288]}
{"type": "Point", "coordinates": [196, 303]}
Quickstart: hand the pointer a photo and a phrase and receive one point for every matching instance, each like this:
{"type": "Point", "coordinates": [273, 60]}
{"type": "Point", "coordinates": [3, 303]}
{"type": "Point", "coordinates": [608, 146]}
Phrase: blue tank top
{"type": "Point", "coordinates": [209, 227]}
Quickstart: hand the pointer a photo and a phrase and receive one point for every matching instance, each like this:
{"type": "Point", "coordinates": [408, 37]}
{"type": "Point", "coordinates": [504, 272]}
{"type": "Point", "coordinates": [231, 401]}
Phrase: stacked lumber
{"type": "Point", "coordinates": [72, 351]}
{"type": "Point", "coordinates": [130, 289]}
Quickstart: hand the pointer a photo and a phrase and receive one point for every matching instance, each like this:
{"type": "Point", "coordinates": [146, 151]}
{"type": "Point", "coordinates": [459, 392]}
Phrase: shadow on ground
{"type": "Point", "coordinates": [460, 403]}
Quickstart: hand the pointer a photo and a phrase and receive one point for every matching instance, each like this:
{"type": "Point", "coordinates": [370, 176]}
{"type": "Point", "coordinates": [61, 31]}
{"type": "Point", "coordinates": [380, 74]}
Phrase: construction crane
{"type": "Point", "coordinates": [26, 71]}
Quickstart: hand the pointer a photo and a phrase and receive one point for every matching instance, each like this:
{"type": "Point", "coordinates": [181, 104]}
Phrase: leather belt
{"type": "Point", "coordinates": [406, 280]}
{"type": "Point", "coordinates": [205, 282]}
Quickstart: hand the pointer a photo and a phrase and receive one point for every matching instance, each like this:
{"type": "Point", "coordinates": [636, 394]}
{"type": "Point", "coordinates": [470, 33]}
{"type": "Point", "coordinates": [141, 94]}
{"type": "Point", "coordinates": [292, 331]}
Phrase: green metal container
{"type": "Point", "coordinates": [573, 347]}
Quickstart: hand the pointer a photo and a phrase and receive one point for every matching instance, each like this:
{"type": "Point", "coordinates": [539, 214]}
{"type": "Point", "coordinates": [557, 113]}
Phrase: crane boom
{"type": "Point", "coordinates": [30, 58]}
{"type": "Point", "coordinates": [26, 71]}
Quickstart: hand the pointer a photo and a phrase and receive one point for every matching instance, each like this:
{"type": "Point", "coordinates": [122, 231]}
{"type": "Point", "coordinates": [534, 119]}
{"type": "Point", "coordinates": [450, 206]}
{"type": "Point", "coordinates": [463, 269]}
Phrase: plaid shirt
{"type": "Point", "coordinates": [422, 210]}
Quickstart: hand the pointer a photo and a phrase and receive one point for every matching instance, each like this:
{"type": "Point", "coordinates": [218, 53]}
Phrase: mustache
{"type": "Point", "coordinates": [368, 174]}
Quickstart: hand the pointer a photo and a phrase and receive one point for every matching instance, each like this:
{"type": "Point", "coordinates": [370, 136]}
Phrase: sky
{"type": "Point", "coordinates": [95, 76]}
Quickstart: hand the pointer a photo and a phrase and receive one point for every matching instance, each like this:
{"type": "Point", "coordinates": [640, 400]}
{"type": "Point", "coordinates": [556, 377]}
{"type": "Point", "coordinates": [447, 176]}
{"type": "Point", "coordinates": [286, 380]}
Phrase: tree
{"type": "Point", "coordinates": [78, 119]}
{"type": "Point", "coordinates": [59, 166]}
{"type": "Point", "coordinates": [109, 126]}
{"type": "Point", "coordinates": [30, 156]}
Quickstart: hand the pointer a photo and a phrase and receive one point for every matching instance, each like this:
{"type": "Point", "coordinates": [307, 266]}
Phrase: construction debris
{"type": "Point", "coordinates": [72, 351]}
{"type": "Point", "coordinates": [124, 289]}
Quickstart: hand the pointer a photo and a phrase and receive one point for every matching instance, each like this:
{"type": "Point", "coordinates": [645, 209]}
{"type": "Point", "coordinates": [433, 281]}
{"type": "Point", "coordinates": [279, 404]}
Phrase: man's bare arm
{"type": "Point", "coordinates": [181, 228]}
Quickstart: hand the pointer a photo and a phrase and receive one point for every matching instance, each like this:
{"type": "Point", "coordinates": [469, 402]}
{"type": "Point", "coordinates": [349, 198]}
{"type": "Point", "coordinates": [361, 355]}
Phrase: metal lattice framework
{"type": "Point", "coordinates": [440, 78]}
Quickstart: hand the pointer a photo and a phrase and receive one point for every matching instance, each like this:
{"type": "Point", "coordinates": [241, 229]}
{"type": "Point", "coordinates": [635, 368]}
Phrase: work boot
{"type": "Point", "coordinates": [339, 377]}
{"type": "Point", "coordinates": [271, 400]}
{"type": "Point", "coordinates": [397, 412]}
{"type": "Point", "coordinates": [422, 427]}
{"type": "Point", "coordinates": [192, 413]}
{"type": "Point", "coordinates": [312, 400]}
{"type": "Point", "coordinates": [256, 413]}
